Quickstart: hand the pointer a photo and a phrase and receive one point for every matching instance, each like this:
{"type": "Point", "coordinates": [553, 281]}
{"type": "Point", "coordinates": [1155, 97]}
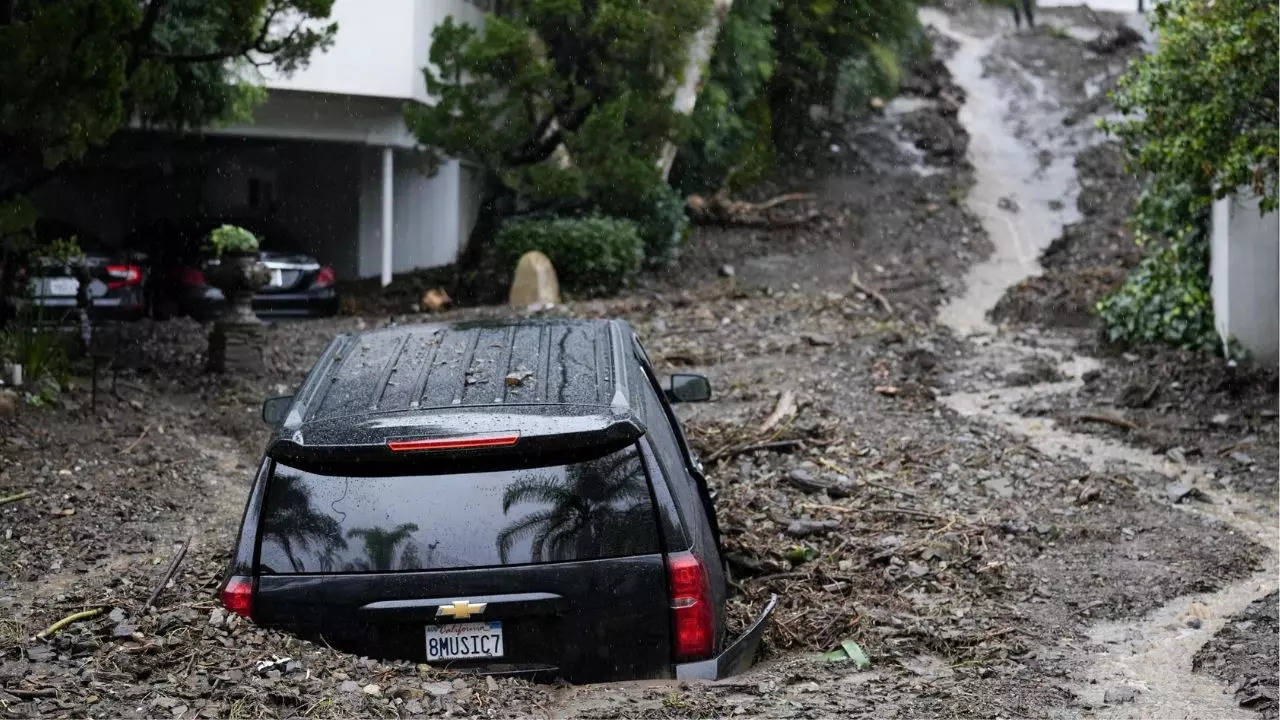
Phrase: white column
{"type": "Point", "coordinates": [388, 208]}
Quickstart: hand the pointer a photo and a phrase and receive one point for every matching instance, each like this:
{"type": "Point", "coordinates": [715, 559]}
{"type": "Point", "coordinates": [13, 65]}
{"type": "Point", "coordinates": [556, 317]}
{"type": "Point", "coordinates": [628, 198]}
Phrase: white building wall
{"type": "Point", "coordinates": [1244, 266]}
{"type": "Point", "coordinates": [380, 49]}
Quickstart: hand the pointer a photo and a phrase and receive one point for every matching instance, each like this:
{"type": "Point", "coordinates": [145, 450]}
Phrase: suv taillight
{"type": "Point", "coordinates": [237, 596]}
{"type": "Point", "coordinates": [324, 278]}
{"type": "Point", "coordinates": [123, 275]}
{"type": "Point", "coordinates": [692, 617]}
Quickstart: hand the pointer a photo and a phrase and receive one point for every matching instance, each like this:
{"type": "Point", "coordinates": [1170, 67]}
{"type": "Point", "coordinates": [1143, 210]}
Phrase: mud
{"type": "Point", "coordinates": [993, 559]}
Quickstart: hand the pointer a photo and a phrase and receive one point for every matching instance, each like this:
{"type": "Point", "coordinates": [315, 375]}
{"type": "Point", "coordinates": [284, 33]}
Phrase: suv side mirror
{"type": "Point", "coordinates": [687, 387]}
{"type": "Point", "coordinates": [275, 409]}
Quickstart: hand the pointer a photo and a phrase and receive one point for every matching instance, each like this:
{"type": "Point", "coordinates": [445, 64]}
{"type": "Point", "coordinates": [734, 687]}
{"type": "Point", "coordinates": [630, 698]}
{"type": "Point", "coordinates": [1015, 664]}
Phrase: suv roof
{"type": "Point", "coordinates": [538, 378]}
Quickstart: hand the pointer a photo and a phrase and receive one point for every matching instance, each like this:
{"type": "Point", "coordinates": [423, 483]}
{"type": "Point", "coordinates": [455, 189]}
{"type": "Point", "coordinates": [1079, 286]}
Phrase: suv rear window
{"type": "Point", "coordinates": [314, 523]}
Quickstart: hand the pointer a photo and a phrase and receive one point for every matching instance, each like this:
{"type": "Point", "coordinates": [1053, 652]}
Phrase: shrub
{"type": "Point", "coordinates": [1166, 298]}
{"type": "Point", "coordinates": [592, 255]}
{"type": "Point", "coordinates": [232, 239]}
{"type": "Point", "coordinates": [658, 214]}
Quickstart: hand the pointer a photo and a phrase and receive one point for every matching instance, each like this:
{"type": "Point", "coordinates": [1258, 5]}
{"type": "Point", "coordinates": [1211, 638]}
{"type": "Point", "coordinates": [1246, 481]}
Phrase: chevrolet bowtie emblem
{"type": "Point", "coordinates": [460, 609]}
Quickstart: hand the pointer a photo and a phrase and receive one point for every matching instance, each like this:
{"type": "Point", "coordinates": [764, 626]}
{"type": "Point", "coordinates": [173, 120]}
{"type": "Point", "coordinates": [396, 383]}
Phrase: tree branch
{"type": "Point", "coordinates": [142, 36]}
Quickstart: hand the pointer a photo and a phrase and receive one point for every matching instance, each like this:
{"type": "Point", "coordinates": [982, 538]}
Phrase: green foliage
{"type": "Point", "coordinates": [232, 239]}
{"type": "Point", "coordinates": [1166, 298]}
{"type": "Point", "coordinates": [1202, 110]}
{"type": "Point", "coordinates": [817, 39]}
{"type": "Point", "coordinates": [729, 137]}
{"type": "Point", "coordinates": [73, 73]}
{"type": "Point", "coordinates": [591, 78]}
{"type": "Point", "coordinates": [592, 255]}
{"type": "Point", "coordinates": [44, 356]}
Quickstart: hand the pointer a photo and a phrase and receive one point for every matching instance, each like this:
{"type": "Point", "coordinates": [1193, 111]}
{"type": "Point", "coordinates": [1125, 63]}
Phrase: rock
{"type": "Point", "coordinates": [116, 615]}
{"type": "Point", "coordinates": [1119, 694]}
{"type": "Point", "coordinates": [123, 630]}
{"type": "Point", "coordinates": [413, 707]}
{"type": "Point", "coordinates": [534, 282]}
{"type": "Point", "coordinates": [372, 690]}
{"type": "Point", "coordinates": [804, 527]}
{"type": "Point", "coordinates": [1241, 458]}
{"type": "Point", "coordinates": [1087, 494]}
{"type": "Point", "coordinates": [435, 300]}
{"type": "Point", "coordinates": [817, 340]}
{"type": "Point", "coordinates": [40, 653]}
{"type": "Point", "coordinates": [438, 689]}
{"type": "Point", "coordinates": [727, 270]}
{"type": "Point", "coordinates": [1177, 492]}
{"type": "Point", "coordinates": [349, 686]}
{"type": "Point", "coordinates": [1220, 419]}
{"type": "Point", "coordinates": [841, 487]}
{"type": "Point", "coordinates": [805, 480]}
{"type": "Point", "coordinates": [1008, 204]}
{"type": "Point", "coordinates": [8, 403]}
{"type": "Point", "coordinates": [217, 617]}
{"type": "Point", "coordinates": [1119, 36]}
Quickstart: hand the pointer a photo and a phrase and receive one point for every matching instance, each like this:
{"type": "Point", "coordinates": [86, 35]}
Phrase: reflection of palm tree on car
{"type": "Point", "coordinates": [583, 511]}
{"type": "Point", "coordinates": [380, 545]}
{"type": "Point", "coordinates": [294, 525]}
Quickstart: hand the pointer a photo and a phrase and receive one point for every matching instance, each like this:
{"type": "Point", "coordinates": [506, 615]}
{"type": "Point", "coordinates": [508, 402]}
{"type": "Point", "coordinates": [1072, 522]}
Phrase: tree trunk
{"type": "Point", "coordinates": [701, 45]}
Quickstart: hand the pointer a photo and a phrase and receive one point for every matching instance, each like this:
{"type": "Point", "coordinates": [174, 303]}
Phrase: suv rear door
{"type": "Point", "coordinates": [566, 558]}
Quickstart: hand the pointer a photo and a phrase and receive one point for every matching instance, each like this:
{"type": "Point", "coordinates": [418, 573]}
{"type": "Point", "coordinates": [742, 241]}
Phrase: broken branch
{"type": "Point", "coordinates": [15, 497]}
{"type": "Point", "coordinates": [870, 291]}
{"type": "Point", "coordinates": [1108, 419]}
{"type": "Point", "coordinates": [168, 574]}
{"type": "Point", "coordinates": [785, 407]}
{"type": "Point", "coordinates": [73, 617]}
{"type": "Point", "coordinates": [729, 452]}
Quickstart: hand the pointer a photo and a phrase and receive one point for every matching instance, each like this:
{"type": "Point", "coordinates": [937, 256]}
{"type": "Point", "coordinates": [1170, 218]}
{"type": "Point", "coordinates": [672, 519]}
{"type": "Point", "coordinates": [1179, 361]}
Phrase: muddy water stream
{"type": "Point", "coordinates": [1024, 194]}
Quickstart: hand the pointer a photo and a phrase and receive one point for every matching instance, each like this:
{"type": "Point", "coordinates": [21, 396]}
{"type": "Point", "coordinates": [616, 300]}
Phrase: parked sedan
{"type": "Point", "coordinates": [114, 283]}
{"type": "Point", "coordinates": [300, 285]}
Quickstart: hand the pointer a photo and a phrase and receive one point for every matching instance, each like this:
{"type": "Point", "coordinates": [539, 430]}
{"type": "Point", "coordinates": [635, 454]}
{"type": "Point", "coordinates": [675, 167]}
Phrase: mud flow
{"type": "Point", "coordinates": [917, 443]}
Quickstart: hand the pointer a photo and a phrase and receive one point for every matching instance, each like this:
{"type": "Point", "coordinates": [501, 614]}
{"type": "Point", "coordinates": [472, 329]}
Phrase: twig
{"type": "Point", "coordinates": [42, 692]}
{"type": "Point", "coordinates": [786, 406]}
{"type": "Point", "coordinates": [729, 452]}
{"type": "Point", "coordinates": [134, 444]}
{"type": "Point", "coordinates": [874, 510]}
{"type": "Point", "coordinates": [15, 497]}
{"type": "Point", "coordinates": [1108, 419]}
{"type": "Point", "coordinates": [875, 294]}
{"type": "Point", "coordinates": [168, 574]}
{"type": "Point", "coordinates": [73, 617]}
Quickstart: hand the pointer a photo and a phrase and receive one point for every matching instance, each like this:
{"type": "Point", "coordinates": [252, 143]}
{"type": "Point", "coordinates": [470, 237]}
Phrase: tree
{"type": "Point", "coordinates": [1201, 119]}
{"type": "Point", "coordinates": [566, 104]}
{"type": "Point", "coordinates": [814, 40]}
{"type": "Point", "coordinates": [1202, 110]}
{"type": "Point", "coordinates": [380, 546]}
{"type": "Point", "coordinates": [74, 73]}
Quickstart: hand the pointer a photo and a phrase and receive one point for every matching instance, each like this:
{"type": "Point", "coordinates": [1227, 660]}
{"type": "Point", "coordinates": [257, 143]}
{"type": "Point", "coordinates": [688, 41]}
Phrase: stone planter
{"type": "Point", "coordinates": [235, 343]}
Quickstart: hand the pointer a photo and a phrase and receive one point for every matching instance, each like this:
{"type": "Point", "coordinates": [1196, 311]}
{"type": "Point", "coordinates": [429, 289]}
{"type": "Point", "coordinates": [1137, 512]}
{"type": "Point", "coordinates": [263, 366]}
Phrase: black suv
{"type": "Point", "coordinates": [496, 497]}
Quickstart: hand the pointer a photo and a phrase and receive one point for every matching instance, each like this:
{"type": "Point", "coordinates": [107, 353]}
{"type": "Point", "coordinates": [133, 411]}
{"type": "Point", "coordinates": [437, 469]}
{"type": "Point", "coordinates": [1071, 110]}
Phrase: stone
{"type": "Point", "coordinates": [217, 617]}
{"type": "Point", "coordinates": [435, 300]}
{"type": "Point", "coordinates": [438, 689]}
{"type": "Point", "coordinates": [534, 282]}
{"type": "Point", "coordinates": [727, 270]}
{"type": "Point", "coordinates": [372, 690]}
{"type": "Point", "coordinates": [1119, 694]}
{"type": "Point", "coordinates": [8, 403]}
{"type": "Point", "coordinates": [349, 686]}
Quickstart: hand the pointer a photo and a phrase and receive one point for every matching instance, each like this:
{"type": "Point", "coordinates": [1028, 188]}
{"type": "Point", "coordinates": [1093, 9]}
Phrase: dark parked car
{"type": "Point", "coordinates": [500, 498]}
{"type": "Point", "coordinates": [300, 286]}
{"type": "Point", "coordinates": [115, 280]}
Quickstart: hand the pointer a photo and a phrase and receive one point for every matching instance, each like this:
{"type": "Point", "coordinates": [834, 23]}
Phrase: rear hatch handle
{"type": "Point", "coordinates": [735, 658]}
{"type": "Point", "coordinates": [523, 604]}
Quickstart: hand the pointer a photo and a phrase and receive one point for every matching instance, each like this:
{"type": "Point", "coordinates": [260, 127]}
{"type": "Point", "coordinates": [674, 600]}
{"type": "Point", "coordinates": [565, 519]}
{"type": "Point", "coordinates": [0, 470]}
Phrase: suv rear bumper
{"type": "Point", "coordinates": [735, 658]}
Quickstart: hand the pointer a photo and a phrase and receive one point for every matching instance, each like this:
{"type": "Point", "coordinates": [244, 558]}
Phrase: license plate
{"type": "Point", "coordinates": [277, 278]}
{"type": "Point", "coordinates": [462, 641]}
{"type": "Point", "coordinates": [61, 286]}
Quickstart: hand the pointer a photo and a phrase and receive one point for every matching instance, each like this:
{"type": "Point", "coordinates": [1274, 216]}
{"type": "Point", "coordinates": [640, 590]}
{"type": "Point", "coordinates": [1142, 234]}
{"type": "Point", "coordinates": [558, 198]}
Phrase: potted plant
{"type": "Point", "coordinates": [236, 270]}
{"type": "Point", "coordinates": [235, 343]}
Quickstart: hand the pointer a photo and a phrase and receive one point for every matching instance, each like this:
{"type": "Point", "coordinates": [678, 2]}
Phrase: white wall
{"type": "Point", "coordinates": [380, 49]}
{"type": "Point", "coordinates": [1244, 264]}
